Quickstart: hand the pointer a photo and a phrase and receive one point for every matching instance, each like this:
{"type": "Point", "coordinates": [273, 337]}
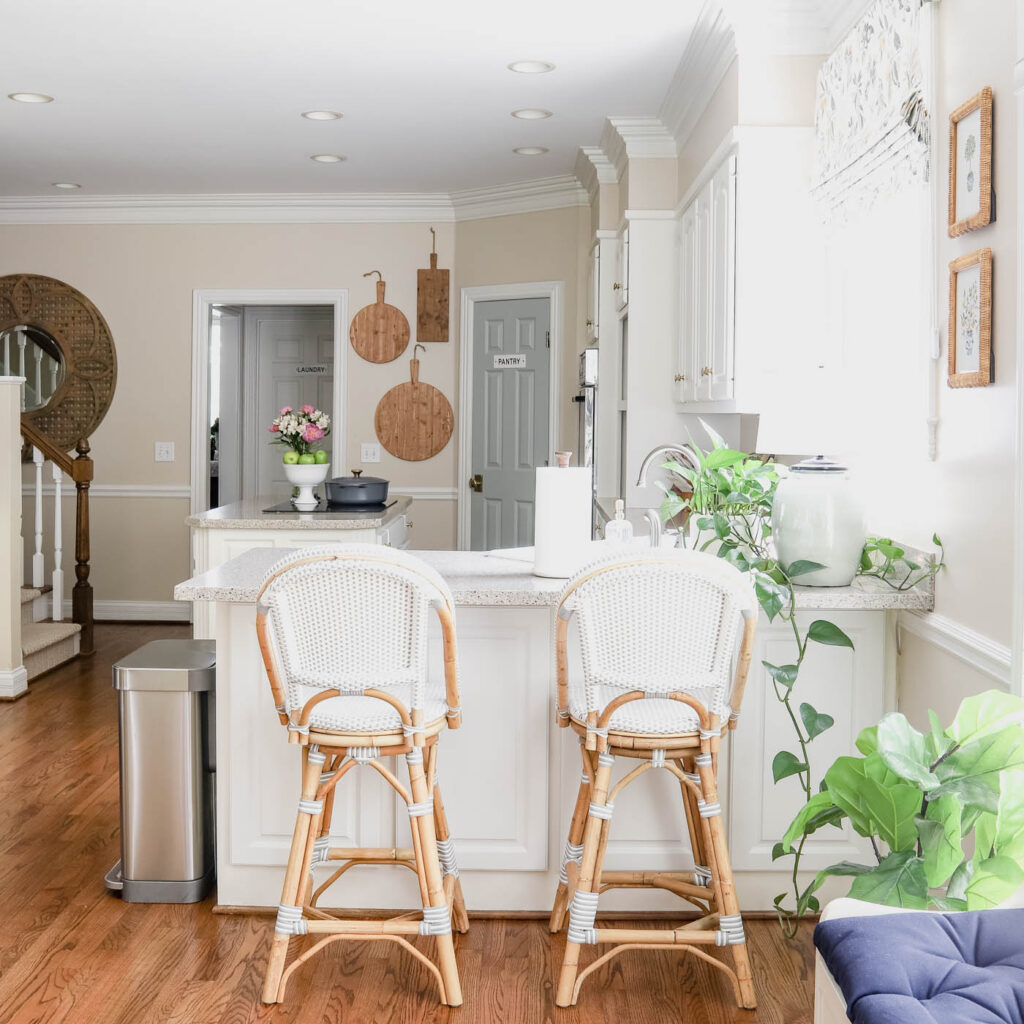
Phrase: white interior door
{"type": "Point", "coordinates": [288, 355]}
{"type": "Point", "coordinates": [510, 428]}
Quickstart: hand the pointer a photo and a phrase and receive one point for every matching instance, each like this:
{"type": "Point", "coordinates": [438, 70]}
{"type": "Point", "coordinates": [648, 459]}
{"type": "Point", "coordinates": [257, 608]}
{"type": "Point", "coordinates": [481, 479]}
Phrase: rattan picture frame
{"type": "Point", "coordinates": [970, 320]}
{"type": "Point", "coordinates": [970, 165]}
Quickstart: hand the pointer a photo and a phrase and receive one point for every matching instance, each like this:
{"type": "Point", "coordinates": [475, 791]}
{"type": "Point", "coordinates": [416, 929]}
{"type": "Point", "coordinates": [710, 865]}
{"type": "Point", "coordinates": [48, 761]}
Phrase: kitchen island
{"type": "Point", "coordinates": [510, 775]}
{"type": "Point", "coordinates": [222, 533]}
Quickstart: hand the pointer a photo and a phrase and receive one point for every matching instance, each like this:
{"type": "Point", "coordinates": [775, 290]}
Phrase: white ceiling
{"type": "Point", "coordinates": [195, 97]}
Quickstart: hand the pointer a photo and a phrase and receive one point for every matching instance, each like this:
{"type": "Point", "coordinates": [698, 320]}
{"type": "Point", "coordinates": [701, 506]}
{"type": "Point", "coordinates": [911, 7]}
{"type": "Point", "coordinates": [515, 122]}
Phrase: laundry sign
{"type": "Point", "coordinates": [314, 368]}
{"type": "Point", "coordinates": [509, 362]}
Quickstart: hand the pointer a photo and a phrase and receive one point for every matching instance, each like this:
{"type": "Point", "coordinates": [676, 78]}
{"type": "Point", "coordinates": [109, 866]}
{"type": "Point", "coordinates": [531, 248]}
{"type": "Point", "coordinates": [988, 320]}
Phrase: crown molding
{"type": "Point", "coordinates": [644, 137]}
{"type": "Point", "coordinates": [521, 197]}
{"type": "Point", "coordinates": [709, 53]}
{"type": "Point", "coordinates": [593, 169]}
{"type": "Point", "coordinates": [282, 208]}
{"type": "Point", "coordinates": [792, 26]}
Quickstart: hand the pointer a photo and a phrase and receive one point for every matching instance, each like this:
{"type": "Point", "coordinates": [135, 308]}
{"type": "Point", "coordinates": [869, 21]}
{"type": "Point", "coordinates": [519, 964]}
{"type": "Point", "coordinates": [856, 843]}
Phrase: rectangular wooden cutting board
{"type": "Point", "coordinates": [432, 302]}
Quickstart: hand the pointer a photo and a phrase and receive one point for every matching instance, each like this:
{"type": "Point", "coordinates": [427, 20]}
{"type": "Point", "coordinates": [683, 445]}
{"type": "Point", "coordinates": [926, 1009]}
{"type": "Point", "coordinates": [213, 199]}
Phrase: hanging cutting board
{"type": "Point", "coordinates": [432, 300]}
{"type": "Point", "coordinates": [379, 333]}
{"type": "Point", "coordinates": [414, 421]}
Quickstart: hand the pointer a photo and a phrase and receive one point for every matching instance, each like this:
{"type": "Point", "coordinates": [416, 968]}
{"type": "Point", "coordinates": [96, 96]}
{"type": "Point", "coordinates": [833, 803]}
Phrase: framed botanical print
{"type": "Point", "coordinates": [970, 164]}
{"type": "Point", "coordinates": [970, 320]}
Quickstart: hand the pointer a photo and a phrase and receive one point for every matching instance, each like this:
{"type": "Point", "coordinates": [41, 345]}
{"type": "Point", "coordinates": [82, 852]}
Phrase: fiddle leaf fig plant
{"type": "Point", "coordinates": [920, 798]}
{"type": "Point", "coordinates": [728, 498]}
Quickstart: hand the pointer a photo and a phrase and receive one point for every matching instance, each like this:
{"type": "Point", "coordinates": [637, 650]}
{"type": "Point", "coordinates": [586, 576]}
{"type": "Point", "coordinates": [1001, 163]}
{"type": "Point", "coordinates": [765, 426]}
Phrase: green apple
{"type": "Point", "coordinates": [321, 457]}
{"type": "Point", "coordinates": [290, 457]}
{"type": "Point", "coordinates": [308, 459]}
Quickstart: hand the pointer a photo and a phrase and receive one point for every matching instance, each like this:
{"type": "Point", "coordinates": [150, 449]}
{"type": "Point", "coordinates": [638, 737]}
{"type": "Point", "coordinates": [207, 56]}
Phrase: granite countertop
{"type": "Point", "coordinates": [249, 515]}
{"type": "Point", "coordinates": [499, 578]}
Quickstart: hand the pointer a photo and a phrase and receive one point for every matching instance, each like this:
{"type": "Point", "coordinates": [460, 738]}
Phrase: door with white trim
{"type": "Point", "coordinates": [510, 422]}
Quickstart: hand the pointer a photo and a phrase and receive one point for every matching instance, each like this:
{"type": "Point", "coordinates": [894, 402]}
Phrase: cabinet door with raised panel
{"type": "Point", "coordinates": [621, 283]}
{"type": "Point", "coordinates": [593, 318]}
{"type": "Point", "coordinates": [687, 339]}
{"type": "Point", "coordinates": [717, 346]}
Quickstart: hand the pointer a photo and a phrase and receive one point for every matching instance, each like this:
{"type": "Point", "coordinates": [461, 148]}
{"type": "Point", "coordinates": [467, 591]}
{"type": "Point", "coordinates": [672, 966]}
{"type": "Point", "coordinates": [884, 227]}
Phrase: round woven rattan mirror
{"type": "Point", "coordinates": [64, 315]}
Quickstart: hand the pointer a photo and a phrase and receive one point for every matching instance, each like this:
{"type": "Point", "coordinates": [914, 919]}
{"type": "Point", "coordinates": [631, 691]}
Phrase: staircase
{"type": "Point", "coordinates": [45, 644]}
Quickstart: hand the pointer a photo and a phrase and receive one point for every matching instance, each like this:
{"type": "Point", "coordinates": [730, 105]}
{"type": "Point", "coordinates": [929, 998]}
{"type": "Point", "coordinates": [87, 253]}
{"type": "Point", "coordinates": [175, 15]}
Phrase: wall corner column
{"type": "Point", "coordinates": [13, 678]}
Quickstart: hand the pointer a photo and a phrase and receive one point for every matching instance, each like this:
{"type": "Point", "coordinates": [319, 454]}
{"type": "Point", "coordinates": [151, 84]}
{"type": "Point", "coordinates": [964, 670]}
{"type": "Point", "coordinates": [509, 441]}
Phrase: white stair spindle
{"type": "Point", "coordinates": [40, 390]}
{"type": "Point", "coordinates": [54, 368]}
{"type": "Point", "coordinates": [38, 563]}
{"type": "Point", "coordinates": [57, 613]}
{"type": "Point", "coordinates": [21, 339]}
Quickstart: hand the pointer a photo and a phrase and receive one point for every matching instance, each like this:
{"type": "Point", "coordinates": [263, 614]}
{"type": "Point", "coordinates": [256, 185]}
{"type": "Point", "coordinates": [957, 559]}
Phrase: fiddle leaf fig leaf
{"type": "Point", "coordinates": [994, 881]}
{"type": "Point", "coordinates": [821, 631]}
{"type": "Point", "coordinates": [815, 722]}
{"type": "Point", "coordinates": [902, 748]}
{"type": "Point", "coordinates": [867, 740]}
{"type": "Point", "coordinates": [844, 868]}
{"type": "Point", "coordinates": [898, 881]}
{"type": "Point", "coordinates": [985, 713]}
{"type": "Point", "coordinates": [961, 878]}
{"type": "Point", "coordinates": [1009, 837]}
{"type": "Point", "coordinates": [875, 799]}
{"type": "Point", "coordinates": [893, 811]}
{"type": "Point", "coordinates": [978, 765]}
{"type": "Point", "coordinates": [785, 764]}
{"type": "Point", "coordinates": [940, 840]}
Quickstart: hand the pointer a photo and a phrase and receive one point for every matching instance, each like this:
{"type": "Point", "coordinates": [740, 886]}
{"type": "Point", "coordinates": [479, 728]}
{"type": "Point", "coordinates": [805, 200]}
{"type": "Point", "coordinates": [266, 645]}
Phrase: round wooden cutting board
{"type": "Point", "coordinates": [379, 333]}
{"type": "Point", "coordinates": [414, 421]}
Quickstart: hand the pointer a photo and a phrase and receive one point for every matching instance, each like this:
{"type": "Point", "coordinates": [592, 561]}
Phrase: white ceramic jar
{"type": "Point", "coordinates": [817, 516]}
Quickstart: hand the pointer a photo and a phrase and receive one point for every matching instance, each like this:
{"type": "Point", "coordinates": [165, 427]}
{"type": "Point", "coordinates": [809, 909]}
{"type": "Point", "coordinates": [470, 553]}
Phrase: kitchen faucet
{"type": "Point", "coordinates": [683, 453]}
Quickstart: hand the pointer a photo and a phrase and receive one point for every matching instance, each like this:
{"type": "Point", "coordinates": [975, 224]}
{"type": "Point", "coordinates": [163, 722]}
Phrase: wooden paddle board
{"type": "Point", "coordinates": [432, 300]}
{"type": "Point", "coordinates": [379, 333]}
{"type": "Point", "coordinates": [414, 421]}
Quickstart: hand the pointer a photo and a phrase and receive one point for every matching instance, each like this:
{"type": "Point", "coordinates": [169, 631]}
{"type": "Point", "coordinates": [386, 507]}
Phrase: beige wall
{"type": "Point", "coordinates": [142, 278]}
{"type": "Point", "coordinates": [719, 117]}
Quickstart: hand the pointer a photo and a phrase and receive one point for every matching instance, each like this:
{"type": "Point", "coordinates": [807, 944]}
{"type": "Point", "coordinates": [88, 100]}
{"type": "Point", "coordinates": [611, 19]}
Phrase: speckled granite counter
{"type": "Point", "coordinates": [249, 515]}
{"type": "Point", "coordinates": [505, 578]}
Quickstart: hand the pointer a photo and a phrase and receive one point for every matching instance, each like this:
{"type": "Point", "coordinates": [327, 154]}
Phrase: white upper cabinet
{"type": "Point", "coordinates": [621, 284]}
{"type": "Point", "coordinates": [592, 323]}
{"type": "Point", "coordinates": [705, 352]}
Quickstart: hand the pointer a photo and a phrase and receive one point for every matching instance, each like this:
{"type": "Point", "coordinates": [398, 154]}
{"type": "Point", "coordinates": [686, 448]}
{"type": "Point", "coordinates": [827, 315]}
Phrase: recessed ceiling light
{"type": "Point", "coordinates": [531, 67]}
{"type": "Point", "coordinates": [65, 184]}
{"type": "Point", "coordinates": [321, 115]}
{"type": "Point", "coordinates": [29, 97]}
{"type": "Point", "coordinates": [327, 158]}
{"type": "Point", "coordinates": [531, 114]}
{"type": "Point", "coordinates": [530, 150]}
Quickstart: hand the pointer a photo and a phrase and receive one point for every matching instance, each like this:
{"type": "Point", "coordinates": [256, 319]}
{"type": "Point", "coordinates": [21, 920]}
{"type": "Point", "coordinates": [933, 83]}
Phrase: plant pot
{"type": "Point", "coordinates": [306, 478]}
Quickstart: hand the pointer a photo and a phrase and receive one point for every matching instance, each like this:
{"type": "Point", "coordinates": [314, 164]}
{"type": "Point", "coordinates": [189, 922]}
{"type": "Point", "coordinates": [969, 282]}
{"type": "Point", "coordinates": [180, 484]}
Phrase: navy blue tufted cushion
{"type": "Point", "coordinates": [965, 968]}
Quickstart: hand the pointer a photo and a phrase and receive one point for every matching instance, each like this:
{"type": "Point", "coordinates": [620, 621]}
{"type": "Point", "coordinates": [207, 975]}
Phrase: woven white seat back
{"type": "Point", "coordinates": [351, 617]}
{"type": "Point", "coordinates": [660, 622]}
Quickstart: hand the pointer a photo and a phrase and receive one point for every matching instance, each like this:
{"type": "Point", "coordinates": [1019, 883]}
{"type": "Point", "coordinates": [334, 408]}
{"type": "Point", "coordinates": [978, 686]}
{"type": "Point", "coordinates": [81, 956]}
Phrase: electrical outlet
{"type": "Point", "coordinates": [163, 451]}
{"type": "Point", "coordinates": [369, 452]}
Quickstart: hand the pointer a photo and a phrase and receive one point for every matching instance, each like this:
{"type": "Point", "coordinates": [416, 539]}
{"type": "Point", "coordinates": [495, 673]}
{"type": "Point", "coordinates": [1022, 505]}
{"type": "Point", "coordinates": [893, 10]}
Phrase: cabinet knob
{"type": "Point", "coordinates": [588, 323]}
{"type": "Point", "coordinates": [706, 371]}
{"type": "Point", "coordinates": [680, 377]}
{"type": "Point", "coordinates": [408, 524]}
{"type": "Point", "coordinates": [616, 287]}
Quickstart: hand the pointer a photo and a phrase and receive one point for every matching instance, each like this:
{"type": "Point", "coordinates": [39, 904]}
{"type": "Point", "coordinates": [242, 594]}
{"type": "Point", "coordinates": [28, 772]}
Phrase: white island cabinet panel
{"type": "Point", "coordinates": [510, 776]}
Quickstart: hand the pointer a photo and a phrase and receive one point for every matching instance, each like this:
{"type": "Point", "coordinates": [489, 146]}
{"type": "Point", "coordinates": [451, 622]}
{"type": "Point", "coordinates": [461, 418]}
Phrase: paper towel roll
{"type": "Point", "coordinates": [562, 521]}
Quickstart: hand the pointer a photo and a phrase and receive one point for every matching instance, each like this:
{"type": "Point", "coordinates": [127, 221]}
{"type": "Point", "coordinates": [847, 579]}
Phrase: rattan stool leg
{"type": "Point", "coordinates": [273, 989]}
{"type": "Point", "coordinates": [587, 884]}
{"type": "Point", "coordinates": [460, 919]}
{"type": "Point", "coordinates": [428, 867]}
{"type": "Point", "coordinates": [573, 850]}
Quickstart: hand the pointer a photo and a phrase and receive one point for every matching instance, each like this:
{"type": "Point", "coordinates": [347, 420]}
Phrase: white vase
{"type": "Point", "coordinates": [306, 478]}
{"type": "Point", "coordinates": [817, 516]}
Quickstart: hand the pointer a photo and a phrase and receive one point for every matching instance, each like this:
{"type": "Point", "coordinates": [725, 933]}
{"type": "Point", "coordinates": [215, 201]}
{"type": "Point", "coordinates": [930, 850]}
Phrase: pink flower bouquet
{"type": "Point", "coordinates": [301, 430]}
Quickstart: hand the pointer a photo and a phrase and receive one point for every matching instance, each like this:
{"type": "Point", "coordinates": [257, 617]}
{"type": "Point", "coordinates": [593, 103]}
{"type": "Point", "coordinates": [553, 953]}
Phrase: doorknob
{"type": "Point", "coordinates": [476, 483]}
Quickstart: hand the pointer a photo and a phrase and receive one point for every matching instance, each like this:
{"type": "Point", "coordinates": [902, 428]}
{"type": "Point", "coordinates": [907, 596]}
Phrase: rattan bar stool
{"type": "Point", "coordinates": [343, 632]}
{"type": "Point", "coordinates": [658, 637]}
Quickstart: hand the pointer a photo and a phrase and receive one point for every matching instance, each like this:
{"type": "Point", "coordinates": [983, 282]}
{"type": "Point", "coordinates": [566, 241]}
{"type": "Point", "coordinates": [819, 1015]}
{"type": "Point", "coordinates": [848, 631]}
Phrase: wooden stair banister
{"type": "Point", "coordinates": [80, 470]}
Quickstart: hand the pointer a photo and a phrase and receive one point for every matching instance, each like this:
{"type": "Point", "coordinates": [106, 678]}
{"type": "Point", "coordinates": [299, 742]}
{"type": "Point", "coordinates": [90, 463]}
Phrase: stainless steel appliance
{"type": "Point", "coordinates": [166, 732]}
{"type": "Point", "coordinates": [586, 399]}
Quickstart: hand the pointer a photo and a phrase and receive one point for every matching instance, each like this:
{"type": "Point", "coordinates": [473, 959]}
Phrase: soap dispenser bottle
{"type": "Point", "coordinates": [619, 530]}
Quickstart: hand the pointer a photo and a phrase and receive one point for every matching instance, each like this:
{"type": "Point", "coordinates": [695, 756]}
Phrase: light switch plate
{"type": "Point", "coordinates": [369, 452]}
{"type": "Point", "coordinates": [163, 451]}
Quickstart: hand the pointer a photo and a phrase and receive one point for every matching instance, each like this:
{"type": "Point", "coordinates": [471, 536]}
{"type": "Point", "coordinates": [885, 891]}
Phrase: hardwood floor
{"type": "Point", "coordinates": [70, 952]}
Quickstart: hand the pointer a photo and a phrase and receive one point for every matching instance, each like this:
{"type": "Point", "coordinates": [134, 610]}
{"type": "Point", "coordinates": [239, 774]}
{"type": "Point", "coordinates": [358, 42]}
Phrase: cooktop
{"type": "Point", "coordinates": [324, 506]}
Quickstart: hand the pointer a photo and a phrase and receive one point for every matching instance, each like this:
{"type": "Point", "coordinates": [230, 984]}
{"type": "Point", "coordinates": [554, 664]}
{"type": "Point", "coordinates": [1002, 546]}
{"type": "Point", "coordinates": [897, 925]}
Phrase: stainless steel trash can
{"type": "Point", "coordinates": [166, 716]}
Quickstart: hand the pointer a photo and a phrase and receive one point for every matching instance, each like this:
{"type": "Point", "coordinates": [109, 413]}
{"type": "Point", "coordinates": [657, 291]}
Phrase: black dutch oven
{"type": "Point", "coordinates": [357, 490]}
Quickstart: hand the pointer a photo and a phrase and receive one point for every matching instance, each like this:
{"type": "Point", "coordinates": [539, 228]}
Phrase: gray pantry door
{"type": "Point", "coordinates": [510, 428]}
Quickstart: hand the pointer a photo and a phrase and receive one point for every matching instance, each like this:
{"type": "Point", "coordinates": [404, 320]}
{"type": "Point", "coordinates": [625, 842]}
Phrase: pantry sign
{"type": "Point", "coordinates": [513, 362]}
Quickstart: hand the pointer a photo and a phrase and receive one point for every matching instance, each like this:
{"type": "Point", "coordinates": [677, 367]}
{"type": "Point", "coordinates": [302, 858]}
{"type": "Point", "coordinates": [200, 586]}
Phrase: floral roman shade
{"type": "Point", "coordinates": [872, 125]}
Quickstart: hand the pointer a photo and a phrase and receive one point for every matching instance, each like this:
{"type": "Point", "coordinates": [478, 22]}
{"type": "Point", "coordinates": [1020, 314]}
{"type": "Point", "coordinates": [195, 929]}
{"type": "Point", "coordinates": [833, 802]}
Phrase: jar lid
{"type": "Point", "coordinates": [819, 464]}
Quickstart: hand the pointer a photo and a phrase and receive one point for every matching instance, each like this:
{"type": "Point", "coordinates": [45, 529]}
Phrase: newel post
{"type": "Point", "coordinates": [81, 594]}
{"type": "Point", "coordinates": [13, 678]}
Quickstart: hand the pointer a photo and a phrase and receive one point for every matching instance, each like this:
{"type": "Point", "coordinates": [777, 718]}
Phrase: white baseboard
{"type": "Point", "coordinates": [973, 648]}
{"type": "Point", "coordinates": [137, 611]}
{"type": "Point", "coordinates": [13, 682]}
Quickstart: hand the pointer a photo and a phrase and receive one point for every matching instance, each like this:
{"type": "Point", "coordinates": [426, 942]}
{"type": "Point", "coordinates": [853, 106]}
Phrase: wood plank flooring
{"type": "Point", "coordinates": [70, 953]}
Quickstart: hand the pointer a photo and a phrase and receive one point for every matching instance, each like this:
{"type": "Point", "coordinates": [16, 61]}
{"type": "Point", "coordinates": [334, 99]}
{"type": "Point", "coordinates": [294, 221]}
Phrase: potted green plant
{"type": "Point", "coordinates": [944, 810]}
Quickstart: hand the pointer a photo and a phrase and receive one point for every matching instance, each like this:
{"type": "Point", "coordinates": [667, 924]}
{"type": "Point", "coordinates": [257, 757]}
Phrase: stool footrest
{"type": "Point", "coordinates": [679, 882]}
{"type": "Point", "coordinates": [381, 853]}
